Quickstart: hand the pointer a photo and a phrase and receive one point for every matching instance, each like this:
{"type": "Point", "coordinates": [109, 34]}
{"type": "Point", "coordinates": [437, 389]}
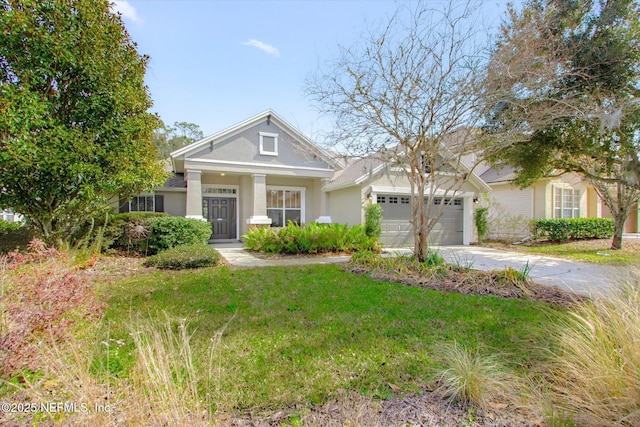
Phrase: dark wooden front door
{"type": "Point", "coordinates": [221, 213]}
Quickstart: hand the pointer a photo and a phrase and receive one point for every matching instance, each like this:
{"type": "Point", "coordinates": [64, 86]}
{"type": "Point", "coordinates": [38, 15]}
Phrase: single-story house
{"type": "Point", "coordinates": [263, 171]}
{"type": "Point", "coordinates": [567, 196]}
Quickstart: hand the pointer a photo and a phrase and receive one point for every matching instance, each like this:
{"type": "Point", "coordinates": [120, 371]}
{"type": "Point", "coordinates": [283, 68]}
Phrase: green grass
{"type": "Point", "coordinates": [300, 335]}
{"type": "Point", "coordinates": [627, 256]}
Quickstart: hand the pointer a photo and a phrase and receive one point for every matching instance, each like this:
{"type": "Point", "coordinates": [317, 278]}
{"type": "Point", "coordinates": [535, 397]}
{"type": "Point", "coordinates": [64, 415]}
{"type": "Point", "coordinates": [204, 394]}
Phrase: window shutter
{"type": "Point", "coordinates": [124, 206]}
{"type": "Point", "coordinates": [159, 202]}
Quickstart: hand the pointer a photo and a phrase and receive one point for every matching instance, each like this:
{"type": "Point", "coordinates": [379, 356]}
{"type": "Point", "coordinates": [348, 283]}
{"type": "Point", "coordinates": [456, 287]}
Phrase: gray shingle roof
{"type": "Point", "coordinates": [355, 169]}
{"type": "Point", "coordinates": [500, 173]}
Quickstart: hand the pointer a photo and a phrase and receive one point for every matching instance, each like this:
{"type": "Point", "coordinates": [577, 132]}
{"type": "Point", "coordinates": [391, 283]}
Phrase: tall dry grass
{"type": "Point", "coordinates": [595, 367]}
{"type": "Point", "coordinates": [168, 387]}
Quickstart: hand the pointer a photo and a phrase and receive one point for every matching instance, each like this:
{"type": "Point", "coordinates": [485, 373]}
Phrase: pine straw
{"type": "Point", "coordinates": [474, 282]}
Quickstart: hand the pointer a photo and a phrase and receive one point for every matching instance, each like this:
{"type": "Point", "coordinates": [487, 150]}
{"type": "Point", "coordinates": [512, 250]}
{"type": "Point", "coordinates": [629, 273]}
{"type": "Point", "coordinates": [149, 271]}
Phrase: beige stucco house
{"type": "Point", "coordinates": [567, 196]}
{"type": "Point", "coordinates": [263, 171]}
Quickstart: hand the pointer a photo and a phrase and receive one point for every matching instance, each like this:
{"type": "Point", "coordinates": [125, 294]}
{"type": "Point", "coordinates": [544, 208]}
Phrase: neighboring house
{"type": "Point", "coordinates": [370, 180]}
{"type": "Point", "coordinates": [9, 216]}
{"type": "Point", "coordinates": [263, 171]}
{"type": "Point", "coordinates": [510, 207]}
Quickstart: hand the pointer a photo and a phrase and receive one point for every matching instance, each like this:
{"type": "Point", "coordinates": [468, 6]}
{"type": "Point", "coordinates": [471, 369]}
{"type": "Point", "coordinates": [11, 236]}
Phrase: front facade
{"type": "Point", "coordinates": [264, 172]}
{"type": "Point", "coordinates": [371, 180]}
{"type": "Point", "coordinates": [259, 172]}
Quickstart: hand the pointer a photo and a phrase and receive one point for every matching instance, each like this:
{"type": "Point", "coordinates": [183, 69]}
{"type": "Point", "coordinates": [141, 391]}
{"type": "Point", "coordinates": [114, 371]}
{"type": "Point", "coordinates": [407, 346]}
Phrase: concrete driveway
{"type": "Point", "coordinates": [578, 277]}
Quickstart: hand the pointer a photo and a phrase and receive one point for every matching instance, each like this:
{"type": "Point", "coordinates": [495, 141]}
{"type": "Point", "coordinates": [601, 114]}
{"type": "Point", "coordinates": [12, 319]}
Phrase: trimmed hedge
{"type": "Point", "coordinates": [171, 231]}
{"type": "Point", "coordinates": [152, 232]}
{"type": "Point", "coordinates": [119, 234]}
{"type": "Point", "coordinates": [312, 238]}
{"type": "Point", "coordinates": [183, 257]}
{"type": "Point", "coordinates": [562, 230]}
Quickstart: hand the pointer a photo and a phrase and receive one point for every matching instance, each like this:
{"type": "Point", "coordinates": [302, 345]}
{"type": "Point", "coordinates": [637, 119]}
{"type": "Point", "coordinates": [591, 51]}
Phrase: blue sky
{"type": "Point", "coordinates": [217, 63]}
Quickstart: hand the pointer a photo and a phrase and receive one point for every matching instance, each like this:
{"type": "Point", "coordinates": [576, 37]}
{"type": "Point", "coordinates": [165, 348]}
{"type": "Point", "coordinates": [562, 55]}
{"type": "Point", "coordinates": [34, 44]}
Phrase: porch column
{"type": "Point", "coordinates": [259, 208]}
{"type": "Point", "coordinates": [467, 219]}
{"type": "Point", "coordinates": [324, 217]}
{"type": "Point", "coordinates": [194, 194]}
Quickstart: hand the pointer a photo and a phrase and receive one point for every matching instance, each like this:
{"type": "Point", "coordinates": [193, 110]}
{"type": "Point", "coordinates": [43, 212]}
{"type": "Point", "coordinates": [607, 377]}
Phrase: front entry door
{"type": "Point", "coordinates": [221, 213]}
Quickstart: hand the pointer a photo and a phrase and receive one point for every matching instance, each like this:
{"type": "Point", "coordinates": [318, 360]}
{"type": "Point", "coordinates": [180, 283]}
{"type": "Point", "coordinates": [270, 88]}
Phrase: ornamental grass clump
{"type": "Point", "coordinates": [595, 367]}
{"type": "Point", "coordinates": [473, 379]}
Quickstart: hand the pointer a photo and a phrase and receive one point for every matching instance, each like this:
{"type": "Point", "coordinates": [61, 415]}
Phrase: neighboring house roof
{"type": "Point", "coordinates": [178, 156]}
{"type": "Point", "coordinates": [499, 174]}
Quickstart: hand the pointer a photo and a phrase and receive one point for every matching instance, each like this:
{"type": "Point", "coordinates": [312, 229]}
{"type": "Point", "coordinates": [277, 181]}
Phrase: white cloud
{"type": "Point", "coordinates": [263, 47]}
{"type": "Point", "coordinates": [125, 8]}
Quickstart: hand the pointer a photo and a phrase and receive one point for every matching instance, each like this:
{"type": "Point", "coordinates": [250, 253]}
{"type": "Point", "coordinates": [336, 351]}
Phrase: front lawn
{"type": "Point", "coordinates": [303, 335]}
{"type": "Point", "coordinates": [596, 251]}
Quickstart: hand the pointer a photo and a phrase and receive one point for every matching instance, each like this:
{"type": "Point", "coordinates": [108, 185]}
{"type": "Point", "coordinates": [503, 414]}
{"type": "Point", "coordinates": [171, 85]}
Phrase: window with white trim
{"type": "Point", "coordinates": [7, 215]}
{"type": "Point", "coordinates": [284, 206]}
{"type": "Point", "coordinates": [142, 203]}
{"type": "Point", "coordinates": [566, 203]}
{"type": "Point", "coordinates": [268, 144]}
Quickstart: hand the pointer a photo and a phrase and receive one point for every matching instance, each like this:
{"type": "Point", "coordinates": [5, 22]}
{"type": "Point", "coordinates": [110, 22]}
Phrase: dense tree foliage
{"type": "Point", "coordinates": [74, 120]}
{"type": "Point", "coordinates": [564, 86]}
{"type": "Point", "coordinates": [170, 138]}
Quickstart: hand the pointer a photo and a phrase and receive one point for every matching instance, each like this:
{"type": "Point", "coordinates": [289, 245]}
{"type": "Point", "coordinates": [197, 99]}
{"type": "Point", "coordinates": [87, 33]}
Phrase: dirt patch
{"type": "Point", "coordinates": [423, 409]}
{"type": "Point", "coordinates": [108, 269]}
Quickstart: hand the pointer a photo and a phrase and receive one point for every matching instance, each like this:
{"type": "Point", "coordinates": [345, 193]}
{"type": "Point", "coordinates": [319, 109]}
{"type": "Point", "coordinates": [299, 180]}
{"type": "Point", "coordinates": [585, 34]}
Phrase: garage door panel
{"type": "Point", "coordinates": [396, 228]}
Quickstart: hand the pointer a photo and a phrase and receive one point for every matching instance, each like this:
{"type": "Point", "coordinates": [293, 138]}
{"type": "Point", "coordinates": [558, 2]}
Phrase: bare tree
{"type": "Point", "coordinates": [408, 93]}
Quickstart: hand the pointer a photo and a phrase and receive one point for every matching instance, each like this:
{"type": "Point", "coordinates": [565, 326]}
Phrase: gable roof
{"type": "Point", "coordinates": [357, 171]}
{"type": "Point", "coordinates": [178, 156]}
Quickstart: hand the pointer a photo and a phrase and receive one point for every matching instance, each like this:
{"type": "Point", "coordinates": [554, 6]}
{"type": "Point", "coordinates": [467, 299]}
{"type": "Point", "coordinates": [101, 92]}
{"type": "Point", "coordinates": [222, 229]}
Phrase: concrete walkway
{"type": "Point", "coordinates": [579, 277]}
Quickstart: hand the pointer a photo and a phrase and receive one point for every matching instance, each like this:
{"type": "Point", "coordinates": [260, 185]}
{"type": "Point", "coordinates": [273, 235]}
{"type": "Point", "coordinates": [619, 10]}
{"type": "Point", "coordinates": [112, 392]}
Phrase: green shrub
{"type": "Point", "coordinates": [122, 231]}
{"type": "Point", "coordinates": [373, 220]}
{"type": "Point", "coordinates": [312, 238]}
{"type": "Point", "coordinates": [183, 257]}
{"type": "Point", "coordinates": [171, 231]}
{"type": "Point", "coordinates": [482, 222]}
{"type": "Point", "coordinates": [14, 236]}
{"type": "Point", "coordinates": [9, 226]}
{"type": "Point", "coordinates": [562, 230]}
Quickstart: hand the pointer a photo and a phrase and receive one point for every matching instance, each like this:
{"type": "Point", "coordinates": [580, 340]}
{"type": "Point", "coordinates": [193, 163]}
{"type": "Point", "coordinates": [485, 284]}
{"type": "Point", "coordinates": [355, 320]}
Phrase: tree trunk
{"type": "Point", "coordinates": [420, 243]}
{"type": "Point", "coordinates": [619, 219]}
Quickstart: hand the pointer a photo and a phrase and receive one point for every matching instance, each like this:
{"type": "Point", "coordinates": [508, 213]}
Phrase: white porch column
{"type": "Point", "coordinates": [467, 219]}
{"type": "Point", "coordinates": [259, 208]}
{"type": "Point", "coordinates": [324, 217]}
{"type": "Point", "coordinates": [194, 194]}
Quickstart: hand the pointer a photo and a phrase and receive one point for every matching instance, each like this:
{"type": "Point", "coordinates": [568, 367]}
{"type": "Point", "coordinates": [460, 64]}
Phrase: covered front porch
{"type": "Point", "coordinates": [234, 202]}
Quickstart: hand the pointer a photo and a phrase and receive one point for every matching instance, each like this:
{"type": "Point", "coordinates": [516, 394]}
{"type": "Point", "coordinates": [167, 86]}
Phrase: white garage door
{"type": "Point", "coordinates": [396, 214]}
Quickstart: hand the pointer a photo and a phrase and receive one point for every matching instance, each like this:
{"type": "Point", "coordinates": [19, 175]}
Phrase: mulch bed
{"type": "Point", "coordinates": [475, 283]}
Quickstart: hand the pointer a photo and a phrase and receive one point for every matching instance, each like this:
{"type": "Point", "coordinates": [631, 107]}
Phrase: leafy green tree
{"type": "Point", "coordinates": [170, 138]}
{"type": "Point", "coordinates": [564, 86]}
{"type": "Point", "coordinates": [74, 121]}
